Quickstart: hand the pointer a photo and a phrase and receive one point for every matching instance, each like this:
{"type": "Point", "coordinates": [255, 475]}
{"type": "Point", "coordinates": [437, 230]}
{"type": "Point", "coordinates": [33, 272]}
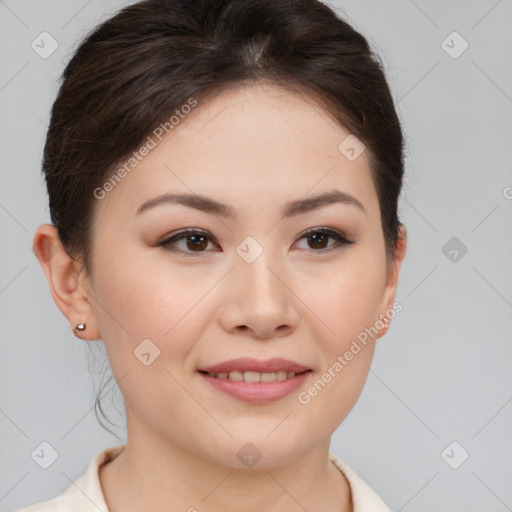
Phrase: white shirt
{"type": "Point", "coordinates": [85, 493]}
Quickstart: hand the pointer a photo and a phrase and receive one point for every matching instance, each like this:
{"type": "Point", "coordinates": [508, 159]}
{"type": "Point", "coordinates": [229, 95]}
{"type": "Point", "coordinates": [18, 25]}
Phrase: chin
{"type": "Point", "coordinates": [259, 450]}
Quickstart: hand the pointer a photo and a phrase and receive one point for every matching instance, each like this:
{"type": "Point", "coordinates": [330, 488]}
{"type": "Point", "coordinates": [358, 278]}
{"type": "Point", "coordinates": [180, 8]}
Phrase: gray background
{"type": "Point", "coordinates": [442, 372]}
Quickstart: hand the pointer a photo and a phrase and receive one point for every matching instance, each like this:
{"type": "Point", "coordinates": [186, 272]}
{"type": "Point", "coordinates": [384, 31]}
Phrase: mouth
{"type": "Point", "coordinates": [255, 387]}
{"type": "Point", "coordinates": [254, 377]}
{"type": "Point", "coordinates": [255, 380]}
{"type": "Point", "coordinates": [242, 365]}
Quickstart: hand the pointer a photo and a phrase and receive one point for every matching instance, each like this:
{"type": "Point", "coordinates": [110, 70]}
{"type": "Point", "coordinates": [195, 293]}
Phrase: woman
{"type": "Point", "coordinates": [223, 179]}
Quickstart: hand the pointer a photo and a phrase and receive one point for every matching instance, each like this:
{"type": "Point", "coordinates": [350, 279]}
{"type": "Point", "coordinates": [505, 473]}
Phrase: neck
{"type": "Point", "coordinates": [152, 473]}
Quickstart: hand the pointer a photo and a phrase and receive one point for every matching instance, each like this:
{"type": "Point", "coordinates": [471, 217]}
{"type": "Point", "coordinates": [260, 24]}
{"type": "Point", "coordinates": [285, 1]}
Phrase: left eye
{"type": "Point", "coordinates": [318, 236]}
{"type": "Point", "coordinates": [197, 241]}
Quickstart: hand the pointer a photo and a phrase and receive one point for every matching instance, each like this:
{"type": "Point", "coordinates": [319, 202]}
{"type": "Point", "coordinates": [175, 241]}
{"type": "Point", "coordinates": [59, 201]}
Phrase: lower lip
{"type": "Point", "coordinates": [257, 392]}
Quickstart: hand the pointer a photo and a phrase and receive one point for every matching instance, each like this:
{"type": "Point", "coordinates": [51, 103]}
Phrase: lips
{"type": "Point", "coordinates": [255, 365]}
{"type": "Point", "coordinates": [244, 387]}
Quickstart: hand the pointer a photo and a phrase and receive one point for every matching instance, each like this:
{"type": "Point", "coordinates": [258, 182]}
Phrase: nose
{"type": "Point", "coordinates": [259, 299]}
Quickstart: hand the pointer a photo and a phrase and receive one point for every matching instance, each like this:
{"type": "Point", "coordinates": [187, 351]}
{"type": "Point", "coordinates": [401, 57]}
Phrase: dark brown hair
{"type": "Point", "coordinates": [138, 67]}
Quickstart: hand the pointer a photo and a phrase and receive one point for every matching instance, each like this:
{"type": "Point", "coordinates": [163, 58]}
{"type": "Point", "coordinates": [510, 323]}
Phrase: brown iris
{"type": "Point", "coordinates": [199, 242]}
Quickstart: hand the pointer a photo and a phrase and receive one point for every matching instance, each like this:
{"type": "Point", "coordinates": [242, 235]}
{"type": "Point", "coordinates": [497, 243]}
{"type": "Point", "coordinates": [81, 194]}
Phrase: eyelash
{"type": "Point", "coordinates": [167, 242]}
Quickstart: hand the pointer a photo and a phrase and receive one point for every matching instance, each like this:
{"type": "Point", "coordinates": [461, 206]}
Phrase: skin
{"type": "Point", "coordinates": [254, 148]}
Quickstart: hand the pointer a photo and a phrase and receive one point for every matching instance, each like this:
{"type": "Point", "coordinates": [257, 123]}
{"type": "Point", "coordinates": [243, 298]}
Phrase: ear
{"type": "Point", "coordinates": [67, 279]}
{"type": "Point", "coordinates": [392, 275]}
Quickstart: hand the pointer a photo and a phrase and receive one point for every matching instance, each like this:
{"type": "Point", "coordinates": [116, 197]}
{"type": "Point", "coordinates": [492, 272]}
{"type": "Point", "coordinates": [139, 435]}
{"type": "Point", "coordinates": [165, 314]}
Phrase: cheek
{"type": "Point", "coordinates": [348, 304]}
{"type": "Point", "coordinates": [141, 305]}
{"type": "Point", "coordinates": [347, 299]}
{"type": "Point", "coordinates": [137, 300]}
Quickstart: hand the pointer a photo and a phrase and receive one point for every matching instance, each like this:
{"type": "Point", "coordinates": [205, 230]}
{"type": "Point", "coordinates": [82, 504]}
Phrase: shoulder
{"type": "Point", "coordinates": [82, 495]}
{"type": "Point", "coordinates": [364, 498]}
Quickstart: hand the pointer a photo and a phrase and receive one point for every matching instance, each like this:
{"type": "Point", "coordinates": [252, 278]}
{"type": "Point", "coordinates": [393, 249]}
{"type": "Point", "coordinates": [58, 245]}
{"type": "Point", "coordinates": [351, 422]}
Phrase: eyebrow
{"type": "Point", "coordinates": [290, 209]}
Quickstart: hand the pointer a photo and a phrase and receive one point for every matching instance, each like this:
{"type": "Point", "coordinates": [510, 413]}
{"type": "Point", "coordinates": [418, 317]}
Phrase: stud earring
{"type": "Point", "coordinates": [80, 327]}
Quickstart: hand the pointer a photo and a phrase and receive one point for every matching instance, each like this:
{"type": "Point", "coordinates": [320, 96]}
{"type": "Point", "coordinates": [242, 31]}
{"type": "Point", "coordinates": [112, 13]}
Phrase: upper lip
{"type": "Point", "coordinates": [247, 364]}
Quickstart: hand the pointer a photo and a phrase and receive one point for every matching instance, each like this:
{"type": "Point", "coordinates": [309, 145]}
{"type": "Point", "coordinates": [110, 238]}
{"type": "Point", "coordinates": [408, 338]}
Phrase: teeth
{"type": "Point", "coordinates": [254, 376]}
{"type": "Point", "coordinates": [281, 375]}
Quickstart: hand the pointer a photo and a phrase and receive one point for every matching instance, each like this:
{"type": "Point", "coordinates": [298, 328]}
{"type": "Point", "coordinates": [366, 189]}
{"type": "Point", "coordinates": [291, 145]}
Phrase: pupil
{"type": "Point", "coordinates": [315, 236]}
{"type": "Point", "coordinates": [195, 244]}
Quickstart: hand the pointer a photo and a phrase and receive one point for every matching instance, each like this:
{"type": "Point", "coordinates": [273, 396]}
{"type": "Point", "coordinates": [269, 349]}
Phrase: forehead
{"type": "Point", "coordinates": [246, 143]}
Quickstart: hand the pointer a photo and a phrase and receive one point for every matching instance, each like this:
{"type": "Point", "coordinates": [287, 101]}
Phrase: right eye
{"type": "Point", "coordinates": [194, 241]}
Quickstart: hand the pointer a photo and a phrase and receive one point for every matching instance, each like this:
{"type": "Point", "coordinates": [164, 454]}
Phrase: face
{"type": "Point", "coordinates": [255, 279]}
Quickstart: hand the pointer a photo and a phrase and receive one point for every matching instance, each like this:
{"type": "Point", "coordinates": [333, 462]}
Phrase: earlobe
{"type": "Point", "coordinates": [67, 281]}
